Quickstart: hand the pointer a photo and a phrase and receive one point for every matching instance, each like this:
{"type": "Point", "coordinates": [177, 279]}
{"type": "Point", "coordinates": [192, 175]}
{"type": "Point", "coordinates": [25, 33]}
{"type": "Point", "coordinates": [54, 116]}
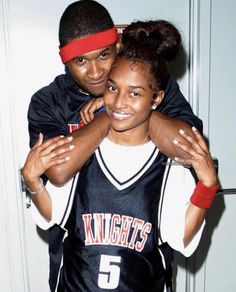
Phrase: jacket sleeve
{"type": "Point", "coordinates": [45, 116]}
{"type": "Point", "coordinates": [176, 106]}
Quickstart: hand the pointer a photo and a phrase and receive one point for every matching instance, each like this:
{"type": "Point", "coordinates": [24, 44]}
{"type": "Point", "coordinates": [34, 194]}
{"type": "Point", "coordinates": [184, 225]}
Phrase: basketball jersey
{"type": "Point", "coordinates": [113, 240]}
{"type": "Point", "coordinates": [54, 110]}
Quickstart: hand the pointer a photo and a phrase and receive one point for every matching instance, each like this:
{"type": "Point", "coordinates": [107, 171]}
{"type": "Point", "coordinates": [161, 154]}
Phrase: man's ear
{"type": "Point", "coordinates": [158, 98]}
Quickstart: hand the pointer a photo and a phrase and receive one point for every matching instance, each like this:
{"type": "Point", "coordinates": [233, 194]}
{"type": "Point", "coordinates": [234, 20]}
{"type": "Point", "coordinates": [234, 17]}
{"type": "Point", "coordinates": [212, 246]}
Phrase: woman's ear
{"type": "Point", "coordinates": [158, 99]}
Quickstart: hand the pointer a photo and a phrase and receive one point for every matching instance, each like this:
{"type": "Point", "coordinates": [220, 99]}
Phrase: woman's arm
{"type": "Point", "coordinates": [41, 157]}
{"type": "Point", "coordinates": [207, 186]}
{"type": "Point", "coordinates": [56, 159]}
{"type": "Point", "coordinates": [43, 203]}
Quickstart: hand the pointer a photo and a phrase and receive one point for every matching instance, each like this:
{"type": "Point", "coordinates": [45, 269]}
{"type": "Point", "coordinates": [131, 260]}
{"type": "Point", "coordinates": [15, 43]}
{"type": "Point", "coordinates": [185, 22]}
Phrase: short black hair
{"type": "Point", "coordinates": [83, 18]}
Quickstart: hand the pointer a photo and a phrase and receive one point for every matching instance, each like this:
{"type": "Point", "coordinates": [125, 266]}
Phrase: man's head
{"type": "Point", "coordinates": [88, 40]}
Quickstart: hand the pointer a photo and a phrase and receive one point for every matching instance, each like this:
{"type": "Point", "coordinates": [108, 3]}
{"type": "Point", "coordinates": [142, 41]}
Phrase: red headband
{"type": "Point", "coordinates": [87, 44]}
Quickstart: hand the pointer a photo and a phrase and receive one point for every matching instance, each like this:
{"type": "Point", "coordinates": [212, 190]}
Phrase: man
{"type": "Point", "coordinates": [88, 47]}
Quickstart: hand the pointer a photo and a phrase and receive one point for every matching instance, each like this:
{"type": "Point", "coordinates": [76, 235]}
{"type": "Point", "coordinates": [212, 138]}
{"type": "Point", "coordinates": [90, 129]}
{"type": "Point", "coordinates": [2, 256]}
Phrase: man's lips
{"type": "Point", "coordinates": [98, 83]}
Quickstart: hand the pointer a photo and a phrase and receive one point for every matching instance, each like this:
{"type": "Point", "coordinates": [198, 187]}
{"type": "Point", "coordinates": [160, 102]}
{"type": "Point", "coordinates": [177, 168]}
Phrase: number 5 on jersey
{"type": "Point", "coordinates": [109, 272]}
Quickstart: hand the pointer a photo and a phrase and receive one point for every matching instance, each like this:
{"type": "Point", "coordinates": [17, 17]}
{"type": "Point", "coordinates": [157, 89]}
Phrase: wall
{"type": "Point", "coordinates": [29, 60]}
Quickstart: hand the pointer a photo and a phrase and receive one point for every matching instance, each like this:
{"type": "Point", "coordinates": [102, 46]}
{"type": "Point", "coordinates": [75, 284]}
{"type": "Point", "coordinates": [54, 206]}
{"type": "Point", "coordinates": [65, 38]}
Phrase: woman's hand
{"type": "Point", "coordinates": [88, 110]}
{"type": "Point", "coordinates": [201, 159]}
{"type": "Point", "coordinates": [42, 156]}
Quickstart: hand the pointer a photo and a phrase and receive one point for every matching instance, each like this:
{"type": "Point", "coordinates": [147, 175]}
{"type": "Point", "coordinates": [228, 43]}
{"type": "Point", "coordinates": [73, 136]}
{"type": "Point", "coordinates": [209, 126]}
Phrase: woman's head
{"type": "Point", "coordinates": [129, 97]}
{"type": "Point", "coordinates": [154, 43]}
{"type": "Point", "coordinates": [139, 75]}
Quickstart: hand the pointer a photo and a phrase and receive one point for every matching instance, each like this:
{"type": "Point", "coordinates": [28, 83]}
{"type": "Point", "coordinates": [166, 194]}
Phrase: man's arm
{"type": "Point", "coordinates": [85, 140]}
{"type": "Point", "coordinates": [173, 114]}
{"type": "Point", "coordinates": [176, 106]}
{"type": "Point", "coordinates": [51, 158]}
{"type": "Point", "coordinates": [163, 130]}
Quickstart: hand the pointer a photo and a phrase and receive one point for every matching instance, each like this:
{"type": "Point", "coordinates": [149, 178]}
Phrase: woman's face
{"type": "Point", "coordinates": [128, 97]}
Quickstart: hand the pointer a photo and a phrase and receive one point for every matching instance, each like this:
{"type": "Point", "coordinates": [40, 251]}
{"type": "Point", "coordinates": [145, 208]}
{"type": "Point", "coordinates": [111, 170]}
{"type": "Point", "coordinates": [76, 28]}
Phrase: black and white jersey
{"type": "Point", "coordinates": [54, 110]}
{"type": "Point", "coordinates": [127, 215]}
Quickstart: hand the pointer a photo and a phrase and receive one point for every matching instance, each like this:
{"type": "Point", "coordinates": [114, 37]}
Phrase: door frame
{"type": "Point", "coordinates": [12, 216]}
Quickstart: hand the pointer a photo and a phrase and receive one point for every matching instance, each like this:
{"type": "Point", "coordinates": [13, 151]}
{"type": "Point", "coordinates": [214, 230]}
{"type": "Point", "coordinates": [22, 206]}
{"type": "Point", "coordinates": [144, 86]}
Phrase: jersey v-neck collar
{"type": "Point", "coordinates": [124, 165]}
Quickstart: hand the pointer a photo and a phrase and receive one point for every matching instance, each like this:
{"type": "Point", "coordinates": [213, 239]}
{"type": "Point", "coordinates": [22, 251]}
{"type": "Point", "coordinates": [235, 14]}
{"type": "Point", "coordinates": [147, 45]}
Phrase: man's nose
{"type": "Point", "coordinates": [95, 71]}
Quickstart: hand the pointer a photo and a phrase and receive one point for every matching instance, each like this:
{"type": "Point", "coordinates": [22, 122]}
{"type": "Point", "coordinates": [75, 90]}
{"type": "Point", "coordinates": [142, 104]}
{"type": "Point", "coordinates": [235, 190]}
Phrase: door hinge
{"type": "Point", "coordinates": [24, 190]}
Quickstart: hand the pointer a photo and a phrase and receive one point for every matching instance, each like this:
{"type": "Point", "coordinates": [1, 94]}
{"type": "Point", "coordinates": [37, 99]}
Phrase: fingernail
{"type": "Point", "coordinates": [176, 158]}
{"type": "Point", "coordinates": [62, 136]}
{"type": "Point", "coordinates": [176, 142]}
{"type": "Point", "coordinates": [71, 147]}
{"type": "Point", "coordinates": [194, 129]}
{"type": "Point", "coordinates": [70, 138]}
{"type": "Point", "coordinates": [181, 131]}
{"type": "Point", "coordinates": [67, 158]}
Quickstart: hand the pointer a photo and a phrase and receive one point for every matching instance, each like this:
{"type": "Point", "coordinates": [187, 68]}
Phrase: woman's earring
{"type": "Point", "coordinates": [154, 106]}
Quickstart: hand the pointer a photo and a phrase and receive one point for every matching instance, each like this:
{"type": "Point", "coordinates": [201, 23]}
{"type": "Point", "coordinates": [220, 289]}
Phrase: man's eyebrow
{"type": "Point", "coordinates": [98, 53]}
{"type": "Point", "coordinates": [105, 50]}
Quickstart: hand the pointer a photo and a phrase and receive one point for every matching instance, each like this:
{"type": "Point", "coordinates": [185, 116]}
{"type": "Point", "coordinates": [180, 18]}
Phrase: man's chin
{"type": "Point", "coordinates": [97, 91]}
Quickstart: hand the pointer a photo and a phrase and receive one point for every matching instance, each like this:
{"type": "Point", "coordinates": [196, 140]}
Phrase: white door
{"type": "Point", "coordinates": [29, 60]}
{"type": "Point", "coordinates": [215, 62]}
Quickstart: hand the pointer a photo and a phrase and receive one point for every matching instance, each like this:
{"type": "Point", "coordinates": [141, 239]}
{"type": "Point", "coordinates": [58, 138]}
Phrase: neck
{"type": "Point", "coordinates": [127, 138]}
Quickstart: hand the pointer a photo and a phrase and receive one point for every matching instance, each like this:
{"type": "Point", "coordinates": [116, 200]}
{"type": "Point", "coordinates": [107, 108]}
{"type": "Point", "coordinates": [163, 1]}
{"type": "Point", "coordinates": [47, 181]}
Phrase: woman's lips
{"type": "Point", "coordinates": [120, 115]}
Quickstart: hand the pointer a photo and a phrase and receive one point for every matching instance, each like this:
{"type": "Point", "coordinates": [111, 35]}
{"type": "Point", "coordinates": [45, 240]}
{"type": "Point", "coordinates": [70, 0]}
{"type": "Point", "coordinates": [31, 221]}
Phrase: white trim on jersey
{"type": "Point", "coordinates": [62, 199]}
{"type": "Point", "coordinates": [112, 159]}
{"type": "Point", "coordinates": [123, 165]}
{"type": "Point", "coordinates": [178, 186]}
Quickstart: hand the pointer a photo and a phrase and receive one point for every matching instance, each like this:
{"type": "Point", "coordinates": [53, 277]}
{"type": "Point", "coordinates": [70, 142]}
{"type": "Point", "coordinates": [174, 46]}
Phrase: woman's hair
{"type": "Point", "coordinates": [83, 18]}
{"type": "Point", "coordinates": [154, 43]}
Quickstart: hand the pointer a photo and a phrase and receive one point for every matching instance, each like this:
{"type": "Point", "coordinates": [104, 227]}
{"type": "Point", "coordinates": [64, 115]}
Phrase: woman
{"type": "Point", "coordinates": [132, 206]}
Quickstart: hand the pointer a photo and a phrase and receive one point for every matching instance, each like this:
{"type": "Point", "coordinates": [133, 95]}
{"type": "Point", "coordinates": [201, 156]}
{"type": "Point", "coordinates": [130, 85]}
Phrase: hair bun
{"type": "Point", "coordinates": [161, 35]}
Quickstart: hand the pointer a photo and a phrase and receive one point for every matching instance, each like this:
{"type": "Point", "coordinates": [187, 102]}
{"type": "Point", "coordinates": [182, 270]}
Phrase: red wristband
{"type": "Point", "coordinates": [203, 196]}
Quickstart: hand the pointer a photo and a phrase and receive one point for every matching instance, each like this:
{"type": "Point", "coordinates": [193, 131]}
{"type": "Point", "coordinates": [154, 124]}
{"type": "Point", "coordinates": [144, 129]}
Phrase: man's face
{"type": "Point", "coordinates": [90, 71]}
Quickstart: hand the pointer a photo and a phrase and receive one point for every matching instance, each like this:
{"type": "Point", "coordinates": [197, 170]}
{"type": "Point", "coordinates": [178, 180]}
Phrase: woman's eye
{"type": "Point", "coordinates": [135, 94]}
{"type": "Point", "coordinates": [111, 88]}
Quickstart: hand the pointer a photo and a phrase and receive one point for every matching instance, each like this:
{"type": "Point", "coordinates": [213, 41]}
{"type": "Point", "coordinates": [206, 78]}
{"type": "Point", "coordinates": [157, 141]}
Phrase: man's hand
{"type": "Point", "coordinates": [88, 110]}
{"type": "Point", "coordinates": [164, 130]}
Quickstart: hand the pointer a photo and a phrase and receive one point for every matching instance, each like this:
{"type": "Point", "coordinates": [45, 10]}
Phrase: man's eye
{"type": "Point", "coordinates": [104, 55]}
{"type": "Point", "coordinates": [79, 60]}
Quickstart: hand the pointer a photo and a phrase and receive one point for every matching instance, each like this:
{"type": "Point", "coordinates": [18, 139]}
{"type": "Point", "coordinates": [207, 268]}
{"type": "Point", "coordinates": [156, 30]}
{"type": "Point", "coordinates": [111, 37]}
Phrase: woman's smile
{"type": "Point", "coordinates": [118, 115]}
